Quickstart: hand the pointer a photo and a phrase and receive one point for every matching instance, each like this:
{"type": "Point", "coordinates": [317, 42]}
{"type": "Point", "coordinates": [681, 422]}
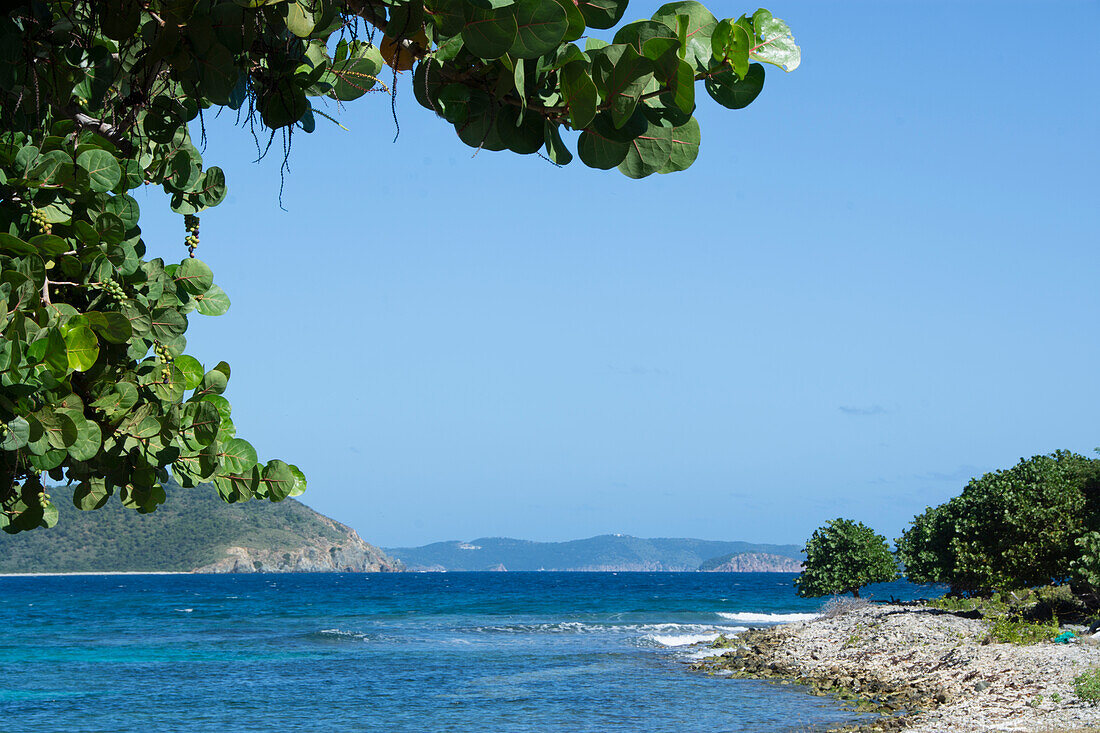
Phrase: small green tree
{"type": "Point", "coordinates": [842, 557]}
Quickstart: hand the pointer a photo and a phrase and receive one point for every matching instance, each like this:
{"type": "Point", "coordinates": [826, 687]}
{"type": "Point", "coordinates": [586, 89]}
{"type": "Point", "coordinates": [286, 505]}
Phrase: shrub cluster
{"type": "Point", "coordinates": [1034, 524]}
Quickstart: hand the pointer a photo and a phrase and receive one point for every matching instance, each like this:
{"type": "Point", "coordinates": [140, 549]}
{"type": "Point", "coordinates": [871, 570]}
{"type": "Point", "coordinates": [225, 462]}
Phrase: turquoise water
{"type": "Point", "coordinates": [500, 652]}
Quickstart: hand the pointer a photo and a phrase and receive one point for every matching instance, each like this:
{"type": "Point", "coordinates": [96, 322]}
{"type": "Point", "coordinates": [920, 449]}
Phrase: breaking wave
{"type": "Point", "coordinates": [767, 618]}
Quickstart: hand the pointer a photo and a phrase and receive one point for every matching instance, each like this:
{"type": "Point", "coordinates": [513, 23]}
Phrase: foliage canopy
{"type": "Point", "coordinates": [842, 557]}
{"type": "Point", "coordinates": [98, 98]}
{"type": "Point", "coordinates": [1009, 529]}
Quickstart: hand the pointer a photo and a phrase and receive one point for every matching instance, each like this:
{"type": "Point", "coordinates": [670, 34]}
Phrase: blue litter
{"type": "Point", "coordinates": [1064, 637]}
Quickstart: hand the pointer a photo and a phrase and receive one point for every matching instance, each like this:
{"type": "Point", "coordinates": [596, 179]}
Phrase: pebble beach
{"type": "Point", "coordinates": [924, 670]}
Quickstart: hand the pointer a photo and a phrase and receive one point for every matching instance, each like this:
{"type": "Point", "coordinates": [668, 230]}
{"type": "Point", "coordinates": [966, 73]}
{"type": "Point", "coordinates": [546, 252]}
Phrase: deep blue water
{"type": "Point", "coordinates": [497, 652]}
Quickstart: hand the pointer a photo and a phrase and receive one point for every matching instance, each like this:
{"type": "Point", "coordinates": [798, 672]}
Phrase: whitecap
{"type": "Point", "coordinates": [767, 618]}
{"type": "Point", "coordinates": [344, 635]}
{"type": "Point", "coordinates": [682, 639]}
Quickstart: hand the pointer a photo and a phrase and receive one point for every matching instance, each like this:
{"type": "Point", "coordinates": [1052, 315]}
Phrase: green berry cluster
{"type": "Point", "coordinates": [191, 223]}
{"type": "Point", "coordinates": [114, 290]}
{"type": "Point", "coordinates": [164, 356]}
{"type": "Point", "coordinates": [39, 219]}
{"type": "Point", "coordinates": [43, 499]}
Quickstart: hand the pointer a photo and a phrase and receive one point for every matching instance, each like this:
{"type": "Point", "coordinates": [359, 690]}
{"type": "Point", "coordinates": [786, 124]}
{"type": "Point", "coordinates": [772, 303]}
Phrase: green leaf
{"type": "Point", "coordinates": [602, 14]}
{"type": "Point", "coordinates": [14, 245]}
{"type": "Point", "coordinates": [555, 147]}
{"type": "Point", "coordinates": [489, 34]}
{"type": "Point", "coordinates": [51, 351]}
{"type": "Point", "coordinates": [733, 41]}
{"type": "Point", "coordinates": [775, 44]}
{"type": "Point", "coordinates": [191, 369]}
{"type": "Point", "coordinates": [354, 76]}
{"type": "Point", "coordinates": [194, 276]}
{"type": "Point", "coordinates": [597, 149]}
{"type": "Point", "coordinates": [700, 27]}
{"type": "Point", "coordinates": [110, 228]}
{"type": "Point", "coordinates": [82, 347]}
{"type": "Point", "coordinates": [49, 515]}
{"type": "Point", "coordinates": [674, 74]}
{"type": "Point", "coordinates": [199, 467]}
{"type": "Point", "coordinates": [214, 302]}
{"type": "Point", "coordinates": [91, 494]}
{"type": "Point", "coordinates": [237, 456]}
{"type": "Point", "coordinates": [299, 487]}
{"type": "Point", "coordinates": [125, 208]}
{"type": "Point", "coordinates": [16, 434]}
{"type": "Point", "coordinates": [580, 94]}
{"type": "Point", "coordinates": [299, 20]}
{"type": "Point", "coordinates": [167, 323]}
{"type": "Point", "coordinates": [141, 322]}
{"type": "Point", "coordinates": [637, 33]}
{"type": "Point", "coordinates": [621, 77]}
{"type": "Point", "coordinates": [685, 139]}
{"type": "Point", "coordinates": [103, 170]}
{"type": "Point", "coordinates": [49, 245]}
{"type": "Point", "coordinates": [540, 27]}
{"type": "Point", "coordinates": [112, 326]}
{"type": "Point", "coordinates": [199, 423]}
{"type": "Point", "coordinates": [735, 93]}
{"type": "Point", "coordinates": [522, 138]}
{"type": "Point", "coordinates": [574, 18]}
{"type": "Point", "coordinates": [239, 487]}
{"type": "Point", "coordinates": [278, 480]}
{"type": "Point", "coordinates": [60, 430]}
{"type": "Point", "coordinates": [89, 438]}
{"type": "Point", "coordinates": [168, 384]}
{"type": "Point", "coordinates": [212, 189]}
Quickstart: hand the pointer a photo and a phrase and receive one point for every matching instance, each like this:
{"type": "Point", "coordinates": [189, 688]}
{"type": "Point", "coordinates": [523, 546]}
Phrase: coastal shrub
{"type": "Point", "coordinates": [842, 557]}
{"type": "Point", "coordinates": [1087, 685]}
{"type": "Point", "coordinates": [925, 549]}
{"type": "Point", "coordinates": [1014, 631]}
{"type": "Point", "coordinates": [1014, 528]}
{"type": "Point", "coordinates": [1086, 567]}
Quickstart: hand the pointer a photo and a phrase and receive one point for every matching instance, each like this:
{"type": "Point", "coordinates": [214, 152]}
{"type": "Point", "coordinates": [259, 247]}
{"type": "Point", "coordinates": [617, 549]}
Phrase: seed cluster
{"type": "Point", "coordinates": [114, 290]}
{"type": "Point", "coordinates": [43, 499]}
{"type": "Point", "coordinates": [191, 223]}
{"type": "Point", "coordinates": [164, 356]}
{"type": "Point", "coordinates": [39, 220]}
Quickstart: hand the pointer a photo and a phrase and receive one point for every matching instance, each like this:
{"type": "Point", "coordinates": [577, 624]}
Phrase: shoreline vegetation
{"type": "Point", "coordinates": [920, 669]}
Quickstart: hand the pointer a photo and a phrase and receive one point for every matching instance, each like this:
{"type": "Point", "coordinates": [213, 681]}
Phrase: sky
{"type": "Point", "coordinates": [877, 281]}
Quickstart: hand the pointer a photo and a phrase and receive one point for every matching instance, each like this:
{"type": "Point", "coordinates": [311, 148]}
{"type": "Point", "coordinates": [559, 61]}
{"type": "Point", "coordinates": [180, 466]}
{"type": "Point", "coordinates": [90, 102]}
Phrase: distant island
{"type": "Point", "coordinates": [194, 531]}
{"type": "Point", "coordinates": [612, 552]}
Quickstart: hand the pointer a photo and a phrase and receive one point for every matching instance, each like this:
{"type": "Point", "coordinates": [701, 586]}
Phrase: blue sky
{"type": "Point", "coordinates": [877, 281]}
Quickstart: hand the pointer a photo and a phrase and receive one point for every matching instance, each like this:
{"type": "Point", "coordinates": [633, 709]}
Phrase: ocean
{"type": "Point", "coordinates": [395, 653]}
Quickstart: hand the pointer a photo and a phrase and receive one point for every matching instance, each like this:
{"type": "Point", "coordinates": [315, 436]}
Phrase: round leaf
{"type": "Point", "coordinates": [82, 347]}
{"type": "Point", "coordinates": [103, 170]}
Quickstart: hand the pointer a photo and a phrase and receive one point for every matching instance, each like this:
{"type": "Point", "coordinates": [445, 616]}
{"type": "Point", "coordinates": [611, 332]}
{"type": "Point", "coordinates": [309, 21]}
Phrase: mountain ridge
{"type": "Point", "coordinates": [194, 531]}
{"type": "Point", "coordinates": [609, 552]}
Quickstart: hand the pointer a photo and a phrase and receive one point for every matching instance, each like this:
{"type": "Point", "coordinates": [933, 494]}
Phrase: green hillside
{"type": "Point", "coordinates": [192, 529]}
{"type": "Point", "coordinates": [605, 552]}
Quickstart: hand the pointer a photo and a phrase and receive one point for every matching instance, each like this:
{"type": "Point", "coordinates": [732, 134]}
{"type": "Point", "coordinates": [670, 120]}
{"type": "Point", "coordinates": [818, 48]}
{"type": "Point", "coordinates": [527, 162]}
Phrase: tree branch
{"type": "Point", "coordinates": [105, 130]}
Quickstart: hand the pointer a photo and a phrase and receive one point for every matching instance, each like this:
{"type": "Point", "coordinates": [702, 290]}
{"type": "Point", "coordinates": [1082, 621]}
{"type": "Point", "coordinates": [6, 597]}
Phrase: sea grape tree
{"type": "Point", "coordinates": [842, 557]}
{"type": "Point", "coordinates": [1008, 529]}
{"type": "Point", "coordinates": [98, 98]}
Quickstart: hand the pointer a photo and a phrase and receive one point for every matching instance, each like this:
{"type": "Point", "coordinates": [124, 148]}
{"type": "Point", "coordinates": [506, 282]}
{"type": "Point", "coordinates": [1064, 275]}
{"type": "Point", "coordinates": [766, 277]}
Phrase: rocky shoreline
{"type": "Point", "coordinates": [923, 670]}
